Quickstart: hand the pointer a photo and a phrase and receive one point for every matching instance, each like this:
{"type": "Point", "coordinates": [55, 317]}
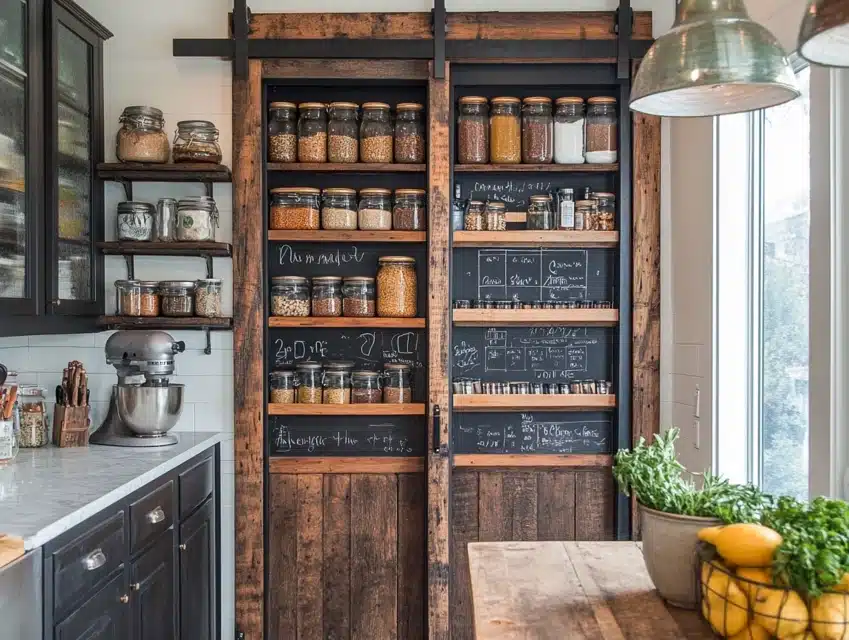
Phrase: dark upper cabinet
{"type": "Point", "coordinates": [198, 581]}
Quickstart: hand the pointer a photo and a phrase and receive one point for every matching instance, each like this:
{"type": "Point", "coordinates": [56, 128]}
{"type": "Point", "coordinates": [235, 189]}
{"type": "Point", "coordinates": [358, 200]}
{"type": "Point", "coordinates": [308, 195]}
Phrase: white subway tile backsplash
{"type": "Point", "coordinates": [14, 341]}
{"type": "Point", "coordinates": [15, 358]}
{"type": "Point", "coordinates": [70, 340]}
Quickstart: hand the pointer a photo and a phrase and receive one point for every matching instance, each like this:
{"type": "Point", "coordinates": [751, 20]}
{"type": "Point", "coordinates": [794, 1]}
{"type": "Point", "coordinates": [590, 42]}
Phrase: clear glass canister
{"type": "Point", "coordinates": [136, 221]}
{"type": "Point", "coordinates": [410, 212]}
{"type": "Point", "coordinates": [178, 299]}
{"type": "Point", "coordinates": [569, 130]}
{"type": "Point", "coordinates": [32, 432]}
{"type": "Point", "coordinates": [8, 436]}
{"type": "Point", "coordinates": [208, 298]}
{"type": "Point", "coordinates": [137, 298]}
{"type": "Point", "coordinates": [365, 387]}
{"type": "Point", "coordinates": [166, 220]}
{"type": "Point", "coordinates": [327, 296]}
{"type": "Point", "coordinates": [397, 287]}
{"type": "Point", "coordinates": [505, 131]}
{"type": "Point", "coordinates": [312, 132]}
{"type": "Point", "coordinates": [141, 137]}
{"type": "Point", "coordinates": [474, 218]}
{"type": "Point", "coordinates": [358, 299]}
{"type": "Point", "coordinates": [540, 214]}
{"type": "Point", "coordinates": [282, 132]}
{"type": "Point", "coordinates": [601, 134]}
{"type": "Point", "coordinates": [495, 216]}
{"type": "Point", "coordinates": [337, 386]}
{"type": "Point", "coordinates": [197, 218]}
{"type": "Point", "coordinates": [584, 214]}
{"type": "Point", "coordinates": [375, 210]}
{"type": "Point", "coordinates": [473, 130]}
{"type": "Point", "coordinates": [343, 132]}
{"type": "Point", "coordinates": [281, 387]}
{"type": "Point", "coordinates": [339, 209]}
{"type": "Point", "coordinates": [295, 208]}
{"type": "Point", "coordinates": [409, 133]}
{"type": "Point", "coordinates": [376, 133]}
{"type": "Point", "coordinates": [290, 296]}
{"type": "Point", "coordinates": [397, 387]}
{"type": "Point", "coordinates": [196, 141]}
{"type": "Point", "coordinates": [537, 131]}
{"type": "Point", "coordinates": [605, 211]}
{"type": "Point", "coordinates": [309, 382]}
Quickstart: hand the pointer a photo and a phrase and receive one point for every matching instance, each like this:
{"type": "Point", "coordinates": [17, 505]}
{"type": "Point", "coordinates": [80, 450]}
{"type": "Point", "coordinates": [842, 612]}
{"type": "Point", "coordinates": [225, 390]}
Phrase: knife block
{"type": "Point", "coordinates": [70, 426]}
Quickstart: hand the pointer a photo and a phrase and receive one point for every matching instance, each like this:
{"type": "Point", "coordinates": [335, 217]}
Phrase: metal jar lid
{"type": "Point", "coordinates": [365, 374]}
{"type": "Point", "coordinates": [204, 203]}
{"type": "Point", "coordinates": [177, 284]}
{"type": "Point", "coordinates": [374, 191]}
{"type": "Point", "coordinates": [308, 366]}
{"type": "Point", "coordinates": [338, 365]}
{"type": "Point", "coordinates": [127, 283]}
{"type": "Point", "coordinates": [208, 281]}
{"type": "Point", "coordinates": [286, 373]}
{"type": "Point", "coordinates": [326, 280]}
{"type": "Point", "coordinates": [358, 280]}
{"type": "Point", "coordinates": [135, 206]}
{"type": "Point", "coordinates": [288, 280]}
{"type": "Point", "coordinates": [141, 111]}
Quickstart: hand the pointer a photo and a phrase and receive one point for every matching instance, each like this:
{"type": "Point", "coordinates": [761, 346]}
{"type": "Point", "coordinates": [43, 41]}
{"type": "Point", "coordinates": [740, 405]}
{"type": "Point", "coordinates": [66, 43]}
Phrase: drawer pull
{"type": "Point", "coordinates": [94, 560]}
{"type": "Point", "coordinates": [124, 599]}
{"type": "Point", "coordinates": [182, 547]}
{"type": "Point", "coordinates": [135, 586]}
{"type": "Point", "coordinates": [156, 516]}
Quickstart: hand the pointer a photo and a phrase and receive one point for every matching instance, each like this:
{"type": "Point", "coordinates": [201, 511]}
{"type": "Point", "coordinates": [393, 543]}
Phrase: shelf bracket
{"type": "Point", "coordinates": [208, 185]}
{"type": "Point", "coordinates": [208, 265]}
{"type": "Point", "coordinates": [128, 187]}
{"type": "Point", "coordinates": [208, 348]}
{"type": "Point", "coordinates": [622, 25]}
{"type": "Point", "coordinates": [439, 27]}
{"type": "Point", "coordinates": [131, 266]}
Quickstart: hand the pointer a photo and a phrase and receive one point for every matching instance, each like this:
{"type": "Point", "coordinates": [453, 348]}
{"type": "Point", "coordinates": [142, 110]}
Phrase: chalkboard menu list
{"type": "Point", "coordinates": [346, 436]}
{"type": "Point", "coordinates": [542, 432]}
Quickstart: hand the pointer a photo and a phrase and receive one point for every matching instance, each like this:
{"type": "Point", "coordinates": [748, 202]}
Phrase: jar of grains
{"type": "Point", "coordinates": [343, 132]}
{"type": "Point", "coordinates": [339, 209]}
{"type": "Point", "coordinates": [290, 296]}
{"type": "Point", "coordinates": [473, 130]}
{"type": "Point", "coordinates": [33, 417]}
{"type": "Point", "coordinates": [282, 132]}
{"type": "Point", "coordinates": [197, 218]}
{"type": "Point", "coordinates": [376, 133]}
{"type": "Point", "coordinates": [312, 133]}
{"type": "Point", "coordinates": [358, 297]}
{"type": "Point", "coordinates": [537, 131]}
{"type": "Point", "coordinates": [295, 208]}
{"type": "Point", "coordinates": [396, 287]}
{"type": "Point", "coordinates": [495, 216]}
{"type": "Point", "coordinates": [474, 219]}
{"type": "Point", "coordinates": [178, 299]}
{"type": "Point", "coordinates": [409, 132]}
{"type": "Point", "coordinates": [337, 386]}
{"type": "Point", "coordinates": [584, 212]}
{"type": "Point", "coordinates": [365, 388]}
{"type": "Point", "coordinates": [569, 131]}
{"type": "Point", "coordinates": [327, 296]}
{"type": "Point", "coordinates": [505, 131]}
{"type": "Point", "coordinates": [605, 204]}
{"type": "Point", "coordinates": [141, 137]}
{"type": "Point", "coordinates": [309, 381]}
{"type": "Point", "coordinates": [540, 214]}
{"type": "Point", "coordinates": [410, 213]}
{"type": "Point", "coordinates": [196, 141]}
{"type": "Point", "coordinates": [281, 387]}
{"type": "Point", "coordinates": [601, 133]}
{"type": "Point", "coordinates": [137, 299]}
{"type": "Point", "coordinates": [396, 383]}
{"type": "Point", "coordinates": [375, 210]}
{"type": "Point", "coordinates": [208, 298]}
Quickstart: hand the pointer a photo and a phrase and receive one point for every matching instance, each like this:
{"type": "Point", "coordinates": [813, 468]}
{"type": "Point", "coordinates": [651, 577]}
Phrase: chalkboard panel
{"type": "Point", "coordinates": [346, 436]}
{"type": "Point", "coordinates": [516, 190]}
{"type": "Point", "coordinates": [532, 432]}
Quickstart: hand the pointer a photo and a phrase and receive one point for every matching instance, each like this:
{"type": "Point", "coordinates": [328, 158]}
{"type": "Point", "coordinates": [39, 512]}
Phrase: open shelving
{"type": "Point", "coordinates": [527, 238]}
{"type": "Point", "coordinates": [281, 322]}
{"type": "Point", "coordinates": [326, 235]}
{"type": "Point", "coordinates": [535, 317]}
{"type": "Point", "coordinates": [536, 168]}
{"type": "Point", "coordinates": [379, 409]}
{"type": "Point", "coordinates": [162, 322]}
{"type": "Point", "coordinates": [533, 402]}
{"type": "Point", "coordinates": [352, 167]}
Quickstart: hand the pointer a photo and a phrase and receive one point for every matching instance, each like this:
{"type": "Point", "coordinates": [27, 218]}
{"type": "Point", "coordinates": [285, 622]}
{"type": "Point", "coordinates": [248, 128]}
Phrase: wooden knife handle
{"type": "Point", "coordinates": [75, 385]}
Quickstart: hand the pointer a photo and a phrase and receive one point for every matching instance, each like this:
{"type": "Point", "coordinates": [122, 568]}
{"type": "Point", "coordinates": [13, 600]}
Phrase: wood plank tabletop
{"type": "Point", "coordinates": [574, 590]}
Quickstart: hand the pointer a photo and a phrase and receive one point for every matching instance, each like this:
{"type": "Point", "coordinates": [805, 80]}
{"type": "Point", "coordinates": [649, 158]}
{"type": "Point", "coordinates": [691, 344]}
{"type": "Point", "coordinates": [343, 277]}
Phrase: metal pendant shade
{"type": "Point", "coordinates": [824, 34]}
{"type": "Point", "coordinates": [713, 61]}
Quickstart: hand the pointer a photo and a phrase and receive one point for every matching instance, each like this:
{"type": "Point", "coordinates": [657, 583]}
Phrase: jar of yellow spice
{"type": "Point", "coordinates": [505, 131]}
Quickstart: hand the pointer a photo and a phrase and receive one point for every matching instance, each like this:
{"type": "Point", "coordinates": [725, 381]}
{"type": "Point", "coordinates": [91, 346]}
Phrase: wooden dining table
{"type": "Point", "coordinates": [571, 591]}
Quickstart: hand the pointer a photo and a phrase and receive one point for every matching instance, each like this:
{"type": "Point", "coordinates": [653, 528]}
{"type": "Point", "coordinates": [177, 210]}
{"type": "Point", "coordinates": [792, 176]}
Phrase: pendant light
{"type": "Point", "coordinates": [714, 61]}
{"type": "Point", "coordinates": [824, 34]}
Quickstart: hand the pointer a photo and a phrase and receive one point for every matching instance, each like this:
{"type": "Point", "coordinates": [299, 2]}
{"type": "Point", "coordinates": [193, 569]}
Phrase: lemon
{"type": "Point", "coordinates": [709, 534]}
{"type": "Point", "coordinates": [781, 612]}
{"type": "Point", "coordinates": [843, 585]}
{"type": "Point", "coordinates": [753, 632]}
{"type": "Point", "coordinates": [752, 578]}
{"type": "Point", "coordinates": [747, 545]}
{"type": "Point", "coordinates": [800, 636]}
{"type": "Point", "coordinates": [724, 605]}
{"type": "Point", "coordinates": [830, 617]}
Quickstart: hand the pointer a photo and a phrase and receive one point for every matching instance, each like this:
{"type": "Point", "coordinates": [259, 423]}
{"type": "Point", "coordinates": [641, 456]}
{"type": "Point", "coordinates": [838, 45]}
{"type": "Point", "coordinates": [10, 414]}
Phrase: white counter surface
{"type": "Point", "coordinates": [45, 492]}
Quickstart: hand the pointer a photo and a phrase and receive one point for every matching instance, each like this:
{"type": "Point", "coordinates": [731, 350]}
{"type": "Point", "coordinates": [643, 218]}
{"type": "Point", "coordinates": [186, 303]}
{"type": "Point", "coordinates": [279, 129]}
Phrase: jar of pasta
{"type": "Point", "coordinates": [294, 208]}
{"type": "Point", "coordinates": [365, 388]}
{"type": "Point", "coordinates": [537, 131]}
{"type": "Point", "coordinates": [282, 132]}
{"type": "Point", "coordinates": [376, 133]}
{"type": "Point", "coordinates": [410, 213]}
{"type": "Point", "coordinates": [397, 387]}
{"type": "Point", "coordinates": [605, 204]}
{"type": "Point", "coordinates": [309, 382]}
{"type": "Point", "coordinates": [312, 132]}
{"type": "Point", "coordinates": [339, 209]}
{"type": "Point", "coordinates": [601, 142]}
{"type": "Point", "coordinates": [495, 216]}
{"type": "Point", "coordinates": [409, 133]}
{"type": "Point", "coordinates": [397, 288]}
{"type": "Point", "coordinates": [327, 296]}
{"type": "Point", "coordinates": [342, 132]}
{"type": "Point", "coordinates": [358, 299]}
{"type": "Point", "coordinates": [281, 387]}
{"type": "Point", "coordinates": [290, 296]}
{"type": "Point", "coordinates": [505, 131]}
{"type": "Point", "coordinates": [473, 130]}
{"type": "Point", "coordinates": [375, 210]}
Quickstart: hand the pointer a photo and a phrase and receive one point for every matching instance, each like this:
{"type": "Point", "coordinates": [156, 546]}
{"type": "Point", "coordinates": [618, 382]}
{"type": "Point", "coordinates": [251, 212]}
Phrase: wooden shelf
{"type": "Point", "coordinates": [347, 236]}
{"type": "Point", "coordinates": [311, 322]}
{"type": "Point", "coordinates": [490, 460]}
{"type": "Point", "coordinates": [525, 238]}
{"type": "Point", "coordinates": [182, 172]}
{"type": "Point", "coordinates": [345, 464]}
{"type": "Point", "coordinates": [533, 402]}
{"type": "Point", "coordinates": [353, 167]}
{"type": "Point", "coordinates": [215, 249]}
{"type": "Point", "coordinates": [160, 322]}
{"type": "Point", "coordinates": [535, 317]}
{"type": "Point", "coordinates": [411, 409]}
{"type": "Point", "coordinates": [532, 168]}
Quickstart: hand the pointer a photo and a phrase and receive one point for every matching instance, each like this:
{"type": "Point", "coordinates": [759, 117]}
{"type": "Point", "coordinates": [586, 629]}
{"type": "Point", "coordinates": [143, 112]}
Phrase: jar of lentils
{"type": "Point", "coordinates": [495, 216]}
{"type": "Point", "coordinates": [281, 387]}
{"type": "Point", "coordinates": [397, 287]}
{"type": "Point", "coordinates": [309, 382]}
{"type": "Point", "coordinates": [196, 141]}
{"type": "Point", "coordinates": [365, 388]}
{"type": "Point", "coordinates": [601, 142]}
{"type": "Point", "coordinates": [290, 296]}
{"type": "Point", "coordinates": [137, 299]}
{"type": "Point", "coordinates": [337, 386]}
{"type": "Point", "coordinates": [605, 211]}
{"type": "Point", "coordinates": [375, 210]}
{"type": "Point", "coordinates": [327, 296]}
{"type": "Point", "coordinates": [409, 133]}
{"type": "Point", "coordinates": [178, 299]}
{"type": "Point", "coordinates": [339, 209]}
{"type": "Point", "coordinates": [505, 131]}
{"type": "Point", "coordinates": [473, 130]}
{"type": "Point", "coordinates": [540, 214]}
{"type": "Point", "coordinates": [342, 132]}
{"type": "Point", "coordinates": [312, 132]}
{"type": "Point", "coordinates": [141, 137]}
{"type": "Point", "coordinates": [295, 208]}
{"type": "Point", "coordinates": [537, 131]}
{"type": "Point", "coordinates": [397, 387]}
{"type": "Point", "coordinates": [358, 299]}
{"type": "Point", "coordinates": [282, 132]}
{"type": "Point", "coordinates": [410, 212]}
{"type": "Point", "coordinates": [208, 297]}
{"type": "Point", "coordinates": [474, 217]}
{"type": "Point", "coordinates": [376, 133]}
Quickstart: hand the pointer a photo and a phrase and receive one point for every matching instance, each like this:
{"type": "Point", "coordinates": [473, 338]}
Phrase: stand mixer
{"type": "Point", "coordinates": [140, 415]}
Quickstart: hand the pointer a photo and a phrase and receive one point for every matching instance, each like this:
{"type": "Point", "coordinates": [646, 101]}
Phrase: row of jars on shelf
{"type": "Point", "coordinates": [507, 130]}
{"type": "Point", "coordinates": [172, 298]}
{"type": "Point", "coordinates": [337, 383]}
{"type": "Point", "coordinates": [595, 214]}
{"type": "Point", "coordinates": [142, 138]}
{"type": "Point", "coordinates": [191, 219]}
{"type": "Point", "coordinates": [295, 208]}
{"type": "Point", "coordinates": [315, 132]}
{"type": "Point", "coordinates": [392, 294]}
{"type": "Point", "coordinates": [475, 386]}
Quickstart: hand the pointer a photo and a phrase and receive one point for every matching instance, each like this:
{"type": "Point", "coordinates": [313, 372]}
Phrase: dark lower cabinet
{"type": "Point", "coordinates": [152, 592]}
{"type": "Point", "coordinates": [105, 616]}
{"type": "Point", "coordinates": [197, 574]}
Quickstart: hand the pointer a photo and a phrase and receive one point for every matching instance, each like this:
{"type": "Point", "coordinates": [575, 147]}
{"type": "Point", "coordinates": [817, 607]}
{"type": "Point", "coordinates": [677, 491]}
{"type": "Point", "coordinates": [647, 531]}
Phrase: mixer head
{"type": "Point", "coordinates": [148, 353]}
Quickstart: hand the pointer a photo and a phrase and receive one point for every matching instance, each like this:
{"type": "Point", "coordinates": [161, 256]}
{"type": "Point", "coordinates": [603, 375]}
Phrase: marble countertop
{"type": "Point", "coordinates": [45, 492]}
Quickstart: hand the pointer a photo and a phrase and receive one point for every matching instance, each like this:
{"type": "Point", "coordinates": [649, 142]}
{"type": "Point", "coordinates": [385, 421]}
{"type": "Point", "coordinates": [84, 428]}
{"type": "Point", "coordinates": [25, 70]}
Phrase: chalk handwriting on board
{"type": "Point", "coordinates": [515, 193]}
{"type": "Point", "coordinates": [376, 438]}
{"type": "Point", "coordinates": [533, 434]}
{"type": "Point", "coordinates": [544, 274]}
{"type": "Point", "coordinates": [465, 356]}
{"type": "Point", "coordinates": [339, 257]}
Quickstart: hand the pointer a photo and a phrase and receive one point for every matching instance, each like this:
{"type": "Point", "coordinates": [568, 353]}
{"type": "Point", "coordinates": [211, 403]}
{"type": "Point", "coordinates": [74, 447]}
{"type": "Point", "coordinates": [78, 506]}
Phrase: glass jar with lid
{"type": "Point", "coordinates": [32, 431]}
{"type": "Point", "coordinates": [282, 132]}
{"type": "Point", "coordinates": [177, 298]}
{"type": "Point", "coordinates": [569, 130]}
{"type": "Point", "coordinates": [343, 132]}
{"type": "Point", "coordinates": [197, 219]}
{"type": "Point", "coordinates": [495, 216]}
{"type": "Point", "coordinates": [281, 387]}
{"type": "Point", "coordinates": [409, 213]}
{"type": "Point", "coordinates": [601, 134]}
{"type": "Point", "coordinates": [137, 298]}
{"type": "Point", "coordinates": [540, 214]}
{"type": "Point", "coordinates": [339, 208]}
{"type": "Point", "coordinates": [409, 133]}
{"type": "Point", "coordinates": [312, 132]}
{"type": "Point", "coordinates": [358, 299]}
{"type": "Point", "coordinates": [537, 131]}
{"type": "Point", "coordinates": [337, 387]}
{"type": "Point", "coordinates": [290, 296]}
{"type": "Point", "coordinates": [474, 217]}
{"type": "Point", "coordinates": [397, 287]}
{"type": "Point", "coordinates": [208, 297]}
{"type": "Point", "coordinates": [8, 435]}
{"type": "Point", "coordinates": [605, 204]}
{"type": "Point", "coordinates": [196, 141]}
{"type": "Point", "coordinates": [327, 296]}
{"type": "Point", "coordinates": [397, 387]}
{"type": "Point", "coordinates": [141, 137]}
{"type": "Point", "coordinates": [584, 213]}
{"type": "Point", "coordinates": [375, 210]}
{"type": "Point", "coordinates": [473, 130]}
{"type": "Point", "coordinates": [135, 221]}
{"type": "Point", "coordinates": [295, 208]}
{"type": "Point", "coordinates": [376, 133]}
{"type": "Point", "coordinates": [309, 378]}
{"type": "Point", "coordinates": [365, 387]}
{"type": "Point", "coordinates": [505, 131]}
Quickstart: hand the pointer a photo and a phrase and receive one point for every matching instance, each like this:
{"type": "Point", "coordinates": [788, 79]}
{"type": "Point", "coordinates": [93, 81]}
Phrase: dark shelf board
{"type": "Point", "coordinates": [347, 236]}
{"type": "Point", "coordinates": [182, 172]}
{"type": "Point", "coordinates": [361, 167]}
{"type": "Point", "coordinates": [160, 322]}
{"type": "Point", "coordinates": [215, 249]}
{"type": "Point", "coordinates": [536, 168]}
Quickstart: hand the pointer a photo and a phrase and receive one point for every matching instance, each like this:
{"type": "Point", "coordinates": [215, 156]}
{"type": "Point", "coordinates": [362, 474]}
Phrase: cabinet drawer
{"type": "Point", "coordinates": [81, 564]}
{"type": "Point", "coordinates": [105, 616]}
{"type": "Point", "coordinates": [151, 516]}
{"type": "Point", "coordinates": [196, 484]}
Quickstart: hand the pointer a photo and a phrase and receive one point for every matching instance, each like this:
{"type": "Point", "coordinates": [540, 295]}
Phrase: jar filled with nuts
{"type": "Point", "coordinates": [178, 299]}
{"type": "Point", "coordinates": [505, 131]}
{"type": "Point", "coordinates": [584, 214]}
{"type": "Point", "coordinates": [339, 209]}
{"type": "Point", "coordinates": [365, 388]}
{"type": "Point", "coordinates": [290, 296]}
{"type": "Point", "coordinates": [409, 132]}
{"type": "Point", "coordinates": [137, 299]}
{"type": "Point", "coordinates": [309, 382]}
{"type": "Point", "coordinates": [312, 132]}
{"type": "Point", "coordinates": [358, 298]}
{"type": "Point", "coordinates": [295, 208]}
{"type": "Point", "coordinates": [540, 214]}
{"type": "Point", "coordinates": [473, 130]}
{"type": "Point", "coordinates": [342, 132]}
{"type": "Point", "coordinates": [197, 219]}
{"type": "Point", "coordinates": [376, 133]}
{"type": "Point", "coordinates": [605, 211]}
{"type": "Point", "coordinates": [141, 137]}
{"type": "Point", "coordinates": [33, 417]}
{"type": "Point", "coordinates": [327, 296]}
{"type": "Point", "coordinates": [375, 210]}
{"type": "Point", "coordinates": [397, 288]}
{"type": "Point", "coordinates": [495, 216]}
{"type": "Point", "coordinates": [196, 141]}
{"type": "Point", "coordinates": [282, 132]}
{"type": "Point", "coordinates": [474, 218]}
{"type": "Point", "coordinates": [281, 387]}
{"type": "Point", "coordinates": [537, 131]}
{"type": "Point", "coordinates": [397, 388]}
{"type": "Point", "coordinates": [337, 386]}
{"type": "Point", "coordinates": [208, 298]}
{"type": "Point", "coordinates": [410, 213]}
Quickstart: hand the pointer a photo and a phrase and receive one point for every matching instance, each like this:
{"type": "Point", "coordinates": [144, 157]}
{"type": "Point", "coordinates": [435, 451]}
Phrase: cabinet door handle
{"type": "Point", "coordinates": [182, 547]}
{"type": "Point", "coordinates": [94, 560]}
{"type": "Point", "coordinates": [135, 586]}
{"type": "Point", "coordinates": [156, 516]}
{"type": "Point", "coordinates": [124, 599]}
{"type": "Point", "coordinates": [437, 413]}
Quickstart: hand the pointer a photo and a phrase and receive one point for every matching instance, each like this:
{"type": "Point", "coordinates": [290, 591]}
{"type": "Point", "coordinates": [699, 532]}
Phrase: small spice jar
{"type": "Point", "coordinates": [566, 209]}
{"type": "Point", "coordinates": [397, 287]}
{"type": "Point", "coordinates": [540, 215]}
{"type": "Point", "coordinates": [141, 137]}
{"type": "Point", "coordinates": [327, 296]}
{"type": "Point", "coordinates": [312, 132]}
{"type": "Point", "coordinates": [309, 382]}
{"type": "Point", "coordinates": [337, 387]}
{"type": "Point", "coordinates": [375, 210]}
{"type": "Point", "coordinates": [177, 298]}
{"type": "Point", "coordinates": [495, 216]}
{"type": "Point", "coordinates": [137, 299]}
{"type": "Point", "coordinates": [197, 219]}
{"type": "Point", "coordinates": [473, 130]}
{"type": "Point", "coordinates": [32, 432]}
{"type": "Point", "coordinates": [136, 221]}
{"type": "Point", "coordinates": [409, 213]}
{"type": "Point", "coordinates": [208, 298]}
{"type": "Point", "coordinates": [282, 132]}
{"type": "Point", "coordinates": [196, 141]}
{"type": "Point", "coordinates": [605, 211]}
{"type": "Point", "coordinates": [409, 133]}
{"type": "Point", "coordinates": [569, 130]}
{"type": "Point", "coordinates": [365, 387]}
{"type": "Point", "coordinates": [295, 208]}
{"type": "Point", "coordinates": [343, 137]}
{"type": "Point", "coordinates": [290, 296]}
{"type": "Point", "coordinates": [358, 299]}
{"type": "Point", "coordinates": [339, 208]}
{"type": "Point", "coordinates": [537, 131]}
{"type": "Point", "coordinates": [281, 387]}
{"type": "Point", "coordinates": [396, 383]}
{"type": "Point", "coordinates": [601, 144]}
{"type": "Point", "coordinates": [505, 131]}
{"type": "Point", "coordinates": [584, 214]}
{"type": "Point", "coordinates": [474, 218]}
{"type": "Point", "coordinates": [376, 133]}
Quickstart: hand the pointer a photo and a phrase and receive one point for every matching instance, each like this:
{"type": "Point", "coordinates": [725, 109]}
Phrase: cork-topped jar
{"type": "Point", "coordinates": [473, 130]}
{"type": "Point", "coordinates": [343, 132]}
{"type": "Point", "coordinates": [312, 132]}
{"type": "Point", "coordinates": [397, 287]}
{"type": "Point", "coordinates": [376, 134]}
{"type": "Point", "coordinates": [505, 131]}
{"type": "Point", "coordinates": [295, 208]}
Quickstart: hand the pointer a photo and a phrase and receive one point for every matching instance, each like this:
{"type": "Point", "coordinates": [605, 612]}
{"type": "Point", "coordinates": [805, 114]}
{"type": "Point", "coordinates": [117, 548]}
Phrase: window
{"type": "Point", "coordinates": [761, 295]}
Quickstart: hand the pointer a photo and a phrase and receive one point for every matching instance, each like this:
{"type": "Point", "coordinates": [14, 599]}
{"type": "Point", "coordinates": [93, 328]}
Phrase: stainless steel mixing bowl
{"type": "Point", "coordinates": [149, 411]}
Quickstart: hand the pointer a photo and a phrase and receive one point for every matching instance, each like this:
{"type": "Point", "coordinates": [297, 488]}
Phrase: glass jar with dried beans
{"type": "Point", "coordinates": [473, 130]}
{"type": "Point", "coordinates": [290, 296]}
{"type": "Point", "coordinates": [141, 137]}
{"type": "Point", "coordinates": [376, 133]}
{"type": "Point", "coordinates": [569, 130]}
{"type": "Point", "coordinates": [337, 387]}
{"type": "Point", "coordinates": [605, 204]}
{"type": "Point", "coordinates": [397, 388]}
{"type": "Point", "coordinates": [410, 212]}
{"type": "Point", "coordinates": [196, 141]}
{"type": "Point", "coordinates": [505, 131]}
{"type": "Point", "coordinates": [197, 219]}
{"type": "Point", "coordinates": [397, 287]}
{"type": "Point", "coordinates": [137, 299]}
{"type": "Point", "coordinates": [537, 131]}
{"type": "Point", "coordinates": [540, 214]}
{"type": "Point", "coordinates": [495, 216]}
{"type": "Point", "coordinates": [33, 417]}
{"type": "Point", "coordinates": [358, 299]}
{"type": "Point", "coordinates": [365, 388]}
{"type": "Point", "coordinates": [601, 143]}
{"type": "Point", "coordinates": [309, 382]}
{"type": "Point", "coordinates": [295, 208]}
{"type": "Point", "coordinates": [342, 132]}
{"type": "Point", "coordinates": [282, 132]}
{"type": "Point", "coordinates": [474, 218]}
{"type": "Point", "coordinates": [208, 298]}
{"type": "Point", "coordinates": [312, 132]}
{"type": "Point", "coordinates": [375, 210]}
{"type": "Point", "coordinates": [339, 209]}
{"type": "Point", "coordinates": [409, 133]}
{"type": "Point", "coordinates": [177, 298]}
{"type": "Point", "coordinates": [281, 387]}
{"type": "Point", "coordinates": [327, 296]}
